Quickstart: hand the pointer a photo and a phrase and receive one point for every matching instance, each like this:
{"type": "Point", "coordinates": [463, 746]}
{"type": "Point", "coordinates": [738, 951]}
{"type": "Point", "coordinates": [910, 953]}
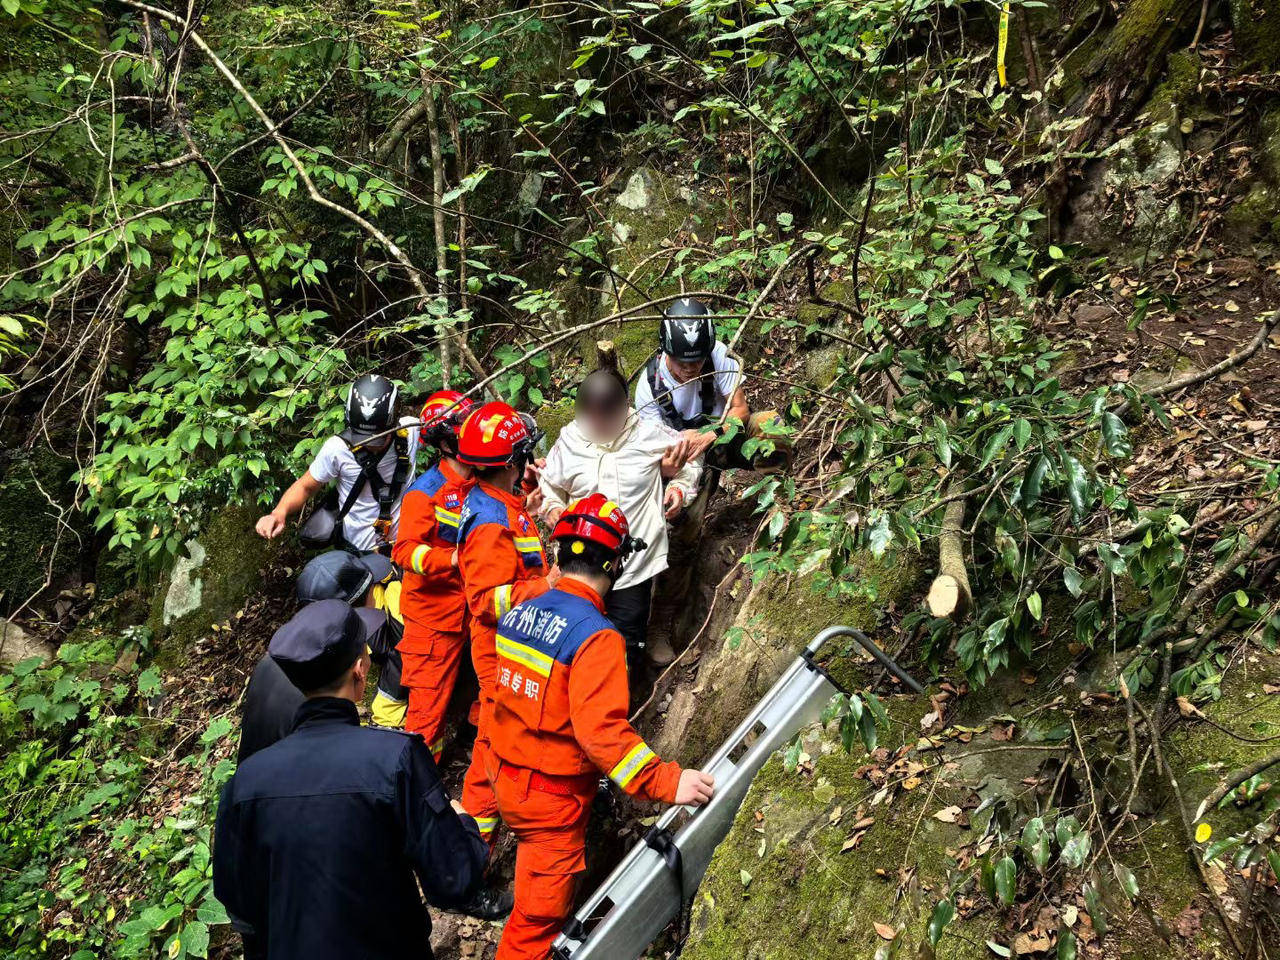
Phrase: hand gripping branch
{"type": "Point", "coordinates": [652, 885]}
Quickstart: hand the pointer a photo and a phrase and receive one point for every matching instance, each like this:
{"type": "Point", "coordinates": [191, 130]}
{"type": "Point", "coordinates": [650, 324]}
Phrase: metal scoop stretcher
{"type": "Point", "coordinates": [648, 889]}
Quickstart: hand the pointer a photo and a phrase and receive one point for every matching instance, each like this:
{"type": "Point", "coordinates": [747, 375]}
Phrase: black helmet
{"type": "Point", "coordinates": [371, 408]}
{"type": "Point", "coordinates": [687, 333]}
{"type": "Point", "coordinates": [339, 575]}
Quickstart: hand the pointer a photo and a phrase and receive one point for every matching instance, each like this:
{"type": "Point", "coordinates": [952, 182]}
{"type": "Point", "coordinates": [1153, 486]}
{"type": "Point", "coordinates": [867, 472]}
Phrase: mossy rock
{"type": "Point", "coordinates": [777, 620]}
{"type": "Point", "coordinates": [552, 418]}
{"type": "Point", "coordinates": [218, 570]}
{"type": "Point", "coordinates": [29, 523]}
{"type": "Point", "coordinates": [1176, 96]}
{"type": "Point", "coordinates": [783, 877]}
{"type": "Point", "coordinates": [1255, 28]}
{"type": "Point", "coordinates": [1256, 215]}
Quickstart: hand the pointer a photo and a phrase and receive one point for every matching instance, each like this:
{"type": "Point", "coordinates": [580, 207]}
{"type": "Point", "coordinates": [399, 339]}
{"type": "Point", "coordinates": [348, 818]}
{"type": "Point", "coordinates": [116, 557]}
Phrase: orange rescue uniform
{"type": "Point", "coordinates": [502, 564]}
{"type": "Point", "coordinates": [432, 603]}
{"type": "Point", "coordinates": [559, 719]}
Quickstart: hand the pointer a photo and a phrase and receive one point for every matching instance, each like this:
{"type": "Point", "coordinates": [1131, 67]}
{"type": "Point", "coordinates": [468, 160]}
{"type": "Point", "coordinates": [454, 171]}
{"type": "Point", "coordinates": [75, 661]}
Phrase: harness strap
{"type": "Point", "coordinates": [665, 399]}
{"type": "Point", "coordinates": [386, 493]}
{"type": "Point", "coordinates": [660, 840]}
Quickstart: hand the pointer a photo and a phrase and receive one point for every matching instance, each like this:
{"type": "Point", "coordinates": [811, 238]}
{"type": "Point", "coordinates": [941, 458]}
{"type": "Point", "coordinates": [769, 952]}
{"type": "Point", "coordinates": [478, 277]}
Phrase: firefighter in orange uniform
{"type": "Point", "coordinates": [502, 563]}
{"type": "Point", "coordinates": [431, 600]}
{"type": "Point", "coordinates": [560, 719]}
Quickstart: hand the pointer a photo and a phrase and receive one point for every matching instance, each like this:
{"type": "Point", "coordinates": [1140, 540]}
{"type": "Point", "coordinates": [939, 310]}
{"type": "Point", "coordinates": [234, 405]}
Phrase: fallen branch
{"type": "Point", "coordinates": [768, 289]}
{"type": "Point", "coordinates": [949, 594]}
{"type": "Point", "coordinates": [1234, 780]}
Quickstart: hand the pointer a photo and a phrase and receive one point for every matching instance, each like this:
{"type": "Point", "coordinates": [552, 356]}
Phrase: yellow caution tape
{"type": "Point", "coordinates": [1002, 45]}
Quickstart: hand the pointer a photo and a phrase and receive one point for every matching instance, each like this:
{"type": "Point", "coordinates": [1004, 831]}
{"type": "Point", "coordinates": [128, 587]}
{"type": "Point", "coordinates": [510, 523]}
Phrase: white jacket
{"type": "Point", "coordinates": [627, 471]}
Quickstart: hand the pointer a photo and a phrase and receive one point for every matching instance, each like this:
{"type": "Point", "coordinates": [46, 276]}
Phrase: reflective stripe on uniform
{"type": "Point", "coordinates": [447, 518]}
{"type": "Point", "coordinates": [631, 764]}
{"type": "Point", "coordinates": [502, 600]}
{"type": "Point", "coordinates": [419, 557]}
{"type": "Point", "coordinates": [437, 748]}
{"type": "Point", "coordinates": [526, 656]}
{"type": "Point", "coordinates": [486, 824]}
{"type": "Point", "coordinates": [528, 544]}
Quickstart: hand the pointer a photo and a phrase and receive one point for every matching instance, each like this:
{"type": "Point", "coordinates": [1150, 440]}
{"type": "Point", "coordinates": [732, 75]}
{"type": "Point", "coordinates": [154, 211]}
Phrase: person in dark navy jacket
{"type": "Point", "coordinates": [323, 837]}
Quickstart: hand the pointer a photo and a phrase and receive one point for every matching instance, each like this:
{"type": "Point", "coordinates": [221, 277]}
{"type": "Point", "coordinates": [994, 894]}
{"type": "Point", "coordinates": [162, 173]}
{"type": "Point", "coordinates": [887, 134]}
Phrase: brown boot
{"type": "Point", "coordinates": [658, 651]}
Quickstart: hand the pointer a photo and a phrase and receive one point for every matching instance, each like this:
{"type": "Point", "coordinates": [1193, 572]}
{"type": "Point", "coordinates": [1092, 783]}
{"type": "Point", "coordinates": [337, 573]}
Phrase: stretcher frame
{"type": "Point", "coordinates": [649, 888]}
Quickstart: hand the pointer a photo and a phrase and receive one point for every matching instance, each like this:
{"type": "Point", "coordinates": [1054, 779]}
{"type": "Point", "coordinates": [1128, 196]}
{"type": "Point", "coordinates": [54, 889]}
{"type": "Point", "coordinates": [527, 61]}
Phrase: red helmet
{"type": "Point", "coordinates": [442, 417]}
{"type": "Point", "coordinates": [494, 436]}
{"type": "Point", "coordinates": [597, 522]}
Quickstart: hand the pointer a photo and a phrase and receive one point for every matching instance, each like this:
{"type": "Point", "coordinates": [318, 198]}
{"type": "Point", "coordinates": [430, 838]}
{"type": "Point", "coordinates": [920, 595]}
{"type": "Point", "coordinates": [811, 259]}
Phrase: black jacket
{"type": "Point", "coordinates": [319, 837]}
{"type": "Point", "coordinates": [270, 704]}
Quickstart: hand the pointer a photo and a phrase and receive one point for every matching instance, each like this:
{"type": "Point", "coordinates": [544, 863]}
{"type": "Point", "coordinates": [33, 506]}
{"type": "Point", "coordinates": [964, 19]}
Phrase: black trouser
{"type": "Point", "coordinates": [628, 608]}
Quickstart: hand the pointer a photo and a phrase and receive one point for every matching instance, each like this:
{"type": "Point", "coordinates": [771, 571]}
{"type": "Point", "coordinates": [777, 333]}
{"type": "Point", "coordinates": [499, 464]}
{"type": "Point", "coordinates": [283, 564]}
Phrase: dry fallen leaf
{"type": "Point", "coordinates": [948, 814]}
{"type": "Point", "coordinates": [885, 931]}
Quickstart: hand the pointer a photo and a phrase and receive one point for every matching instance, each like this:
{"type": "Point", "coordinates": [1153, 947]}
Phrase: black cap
{"type": "Point", "coordinates": [340, 575]}
{"type": "Point", "coordinates": [322, 641]}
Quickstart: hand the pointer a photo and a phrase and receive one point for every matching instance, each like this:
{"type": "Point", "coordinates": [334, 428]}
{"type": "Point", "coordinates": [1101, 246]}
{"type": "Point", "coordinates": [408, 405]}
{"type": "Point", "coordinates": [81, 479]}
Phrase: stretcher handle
{"type": "Point", "coordinates": [831, 633]}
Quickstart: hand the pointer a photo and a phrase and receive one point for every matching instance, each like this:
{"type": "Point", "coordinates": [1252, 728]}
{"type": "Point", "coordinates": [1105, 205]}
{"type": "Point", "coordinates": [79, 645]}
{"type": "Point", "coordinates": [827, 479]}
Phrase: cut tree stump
{"type": "Point", "coordinates": [949, 594]}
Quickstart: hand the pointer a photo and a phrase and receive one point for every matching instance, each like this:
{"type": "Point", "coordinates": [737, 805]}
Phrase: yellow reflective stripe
{"type": "Point", "coordinates": [502, 600]}
{"type": "Point", "coordinates": [444, 516]}
{"type": "Point", "coordinates": [486, 824]}
{"type": "Point", "coordinates": [526, 656]}
{"type": "Point", "coordinates": [419, 557]}
{"type": "Point", "coordinates": [528, 544]}
{"type": "Point", "coordinates": [631, 764]}
{"type": "Point", "coordinates": [437, 748]}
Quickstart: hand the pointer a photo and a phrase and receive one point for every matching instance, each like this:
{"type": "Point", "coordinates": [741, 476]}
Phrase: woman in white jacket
{"type": "Point", "coordinates": [607, 448]}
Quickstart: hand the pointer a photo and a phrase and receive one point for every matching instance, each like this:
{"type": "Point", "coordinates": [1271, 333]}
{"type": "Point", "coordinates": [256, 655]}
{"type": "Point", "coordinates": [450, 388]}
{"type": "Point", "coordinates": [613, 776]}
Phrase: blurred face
{"type": "Point", "coordinates": [682, 371]}
{"type": "Point", "coordinates": [602, 425]}
{"type": "Point", "coordinates": [601, 408]}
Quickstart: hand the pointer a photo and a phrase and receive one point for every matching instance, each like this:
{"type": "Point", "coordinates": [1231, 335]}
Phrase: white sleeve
{"type": "Point", "coordinates": [687, 479]}
{"type": "Point", "coordinates": [414, 439]}
{"type": "Point", "coordinates": [728, 371]}
{"type": "Point", "coordinates": [645, 407]}
{"type": "Point", "coordinates": [328, 462]}
{"type": "Point", "coordinates": [553, 482]}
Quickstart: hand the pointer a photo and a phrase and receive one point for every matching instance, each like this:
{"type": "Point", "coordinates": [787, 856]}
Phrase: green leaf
{"type": "Point", "coordinates": [1035, 842]}
{"type": "Point", "coordinates": [745, 877]}
{"type": "Point", "coordinates": [1021, 433]}
{"type": "Point", "coordinates": [1006, 879]}
{"type": "Point", "coordinates": [1073, 578]}
{"type": "Point", "coordinates": [996, 444]}
{"type": "Point", "coordinates": [1032, 481]}
{"type": "Point", "coordinates": [490, 63]}
{"type": "Point", "coordinates": [1097, 912]}
{"type": "Point", "coordinates": [999, 949]}
{"type": "Point", "coordinates": [1055, 253]}
{"type": "Point", "coordinates": [1034, 605]}
{"type": "Point", "coordinates": [1128, 882]}
{"type": "Point", "coordinates": [212, 912]}
{"type": "Point", "coordinates": [1115, 436]}
{"type": "Point", "coordinates": [1078, 491]}
{"type": "Point", "coordinates": [942, 915]}
{"type": "Point", "coordinates": [1066, 945]}
{"type": "Point", "coordinates": [195, 937]}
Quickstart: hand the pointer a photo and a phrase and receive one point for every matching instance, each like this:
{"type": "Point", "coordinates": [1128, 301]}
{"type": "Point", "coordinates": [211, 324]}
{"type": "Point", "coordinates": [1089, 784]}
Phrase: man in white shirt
{"type": "Point", "coordinates": [608, 449]}
{"type": "Point", "coordinates": [693, 383]}
{"type": "Point", "coordinates": [373, 464]}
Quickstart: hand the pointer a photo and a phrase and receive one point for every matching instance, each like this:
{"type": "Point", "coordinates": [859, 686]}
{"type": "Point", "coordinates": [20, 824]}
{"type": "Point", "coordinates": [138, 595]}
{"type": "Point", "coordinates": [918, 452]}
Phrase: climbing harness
{"type": "Point", "coordinates": [665, 398]}
{"type": "Point", "coordinates": [656, 880]}
{"type": "Point", "coordinates": [323, 528]}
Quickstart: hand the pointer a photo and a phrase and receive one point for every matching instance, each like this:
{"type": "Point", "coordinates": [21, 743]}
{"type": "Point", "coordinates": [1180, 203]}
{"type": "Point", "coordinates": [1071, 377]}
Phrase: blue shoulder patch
{"type": "Point", "coordinates": [430, 481]}
{"type": "Point", "coordinates": [478, 509]}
